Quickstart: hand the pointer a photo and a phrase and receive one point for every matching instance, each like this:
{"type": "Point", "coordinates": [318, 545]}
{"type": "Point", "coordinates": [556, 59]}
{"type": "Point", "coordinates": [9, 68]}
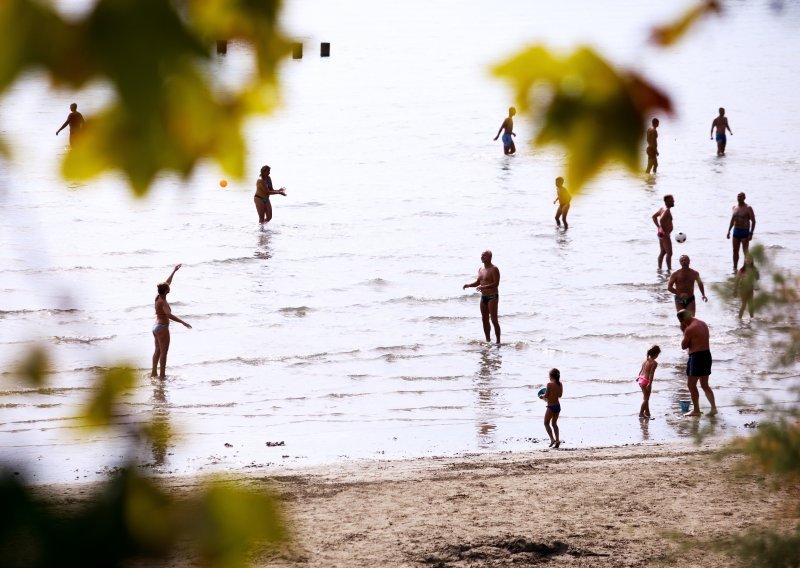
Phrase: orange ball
{"type": "Point", "coordinates": [223, 183]}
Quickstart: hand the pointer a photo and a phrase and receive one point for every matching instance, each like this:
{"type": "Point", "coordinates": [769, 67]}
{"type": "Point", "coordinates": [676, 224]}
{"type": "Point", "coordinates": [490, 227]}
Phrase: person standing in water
{"type": "Point", "coordinates": [745, 285]}
{"type": "Point", "coordinates": [74, 121]}
{"type": "Point", "coordinates": [563, 196]}
{"type": "Point", "coordinates": [161, 328]}
{"type": "Point", "coordinates": [721, 124]}
{"type": "Point", "coordinates": [743, 223]}
{"type": "Point", "coordinates": [263, 190]}
{"type": "Point", "coordinates": [652, 147]}
{"type": "Point", "coordinates": [487, 284]}
{"type": "Point", "coordinates": [645, 379]}
{"type": "Point", "coordinates": [508, 132]}
{"type": "Point", "coordinates": [552, 396]}
{"type": "Point", "coordinates": [696, 340]}
{"type": "Point", "coordinates": [681, 283]}
{"type": "Point", "coordinates": [663, 220]}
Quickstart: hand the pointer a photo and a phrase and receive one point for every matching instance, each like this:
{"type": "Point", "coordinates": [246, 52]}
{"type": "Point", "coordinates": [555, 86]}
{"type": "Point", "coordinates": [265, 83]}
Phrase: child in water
{"type": "Point", "coordinates": [746, 283]}
{"type": "Point", "coordinates": [645, 379]}
{"type": "Point", "coordinates": [564, 197]}
{"type": "Point", "coordinates": [552, 393]}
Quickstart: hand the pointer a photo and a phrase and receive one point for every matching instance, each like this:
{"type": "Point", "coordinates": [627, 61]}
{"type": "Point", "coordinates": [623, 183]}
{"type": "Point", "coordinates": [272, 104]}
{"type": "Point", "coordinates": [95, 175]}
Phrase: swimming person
{"type": "Point", "coordinates": [663, 220]}
{"type": "Point", "coordinates": [74, 121]}
{"type": "Point", "coordinates": [743, 223]}
{"type": "Point", "coordinates": [552, 394]}
{"type": "Point", "coordinates": [263, 190]}
{"type": "Point", "coordinates": [487, 284]}
{"type": "Point", "coordinates": [508, 131]}
{"type": "Point", "coordinates": [745, 285]}
{"type": "Point", "coordinates": [161, 327]}
{"type": "Point", "coordinates": [652, 147]}
{"type": "Point", "coordinates": [681, 283]}
{"type": "Point", "coordinates": [721, 124]}
{"type": "Point", "coordinates": [563, 196]}
{"type": "Point", "coordinates": [645, 379]}
{"type": "Point", "coordinates": [696, 340]}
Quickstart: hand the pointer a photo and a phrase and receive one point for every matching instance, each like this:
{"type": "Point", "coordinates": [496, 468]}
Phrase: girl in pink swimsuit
{"type": "Point", "coordinates": [645, 379]}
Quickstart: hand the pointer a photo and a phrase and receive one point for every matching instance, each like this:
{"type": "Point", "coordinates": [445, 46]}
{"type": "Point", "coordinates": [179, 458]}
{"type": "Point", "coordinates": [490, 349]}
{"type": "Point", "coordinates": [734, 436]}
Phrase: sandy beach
{"type": "Point", "coordinates": [622, 506]}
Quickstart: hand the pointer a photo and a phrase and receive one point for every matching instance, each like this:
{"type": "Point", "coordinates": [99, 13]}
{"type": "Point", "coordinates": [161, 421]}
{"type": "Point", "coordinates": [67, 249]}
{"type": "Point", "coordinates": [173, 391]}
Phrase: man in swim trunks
{"type": "Point", "coordinates": [652, 147]}
{"type": "Point", "coordinates": [74, 121]}
{"type": "Point", "coordinates": [663, 220]}
{"type": "Point", "coordinates": [721, 124]}
{"type": "Point", "coordinates": [696, 340]}
{"type": "Point", "coordinates": [487, 283]}
{"type": "Point", "coordinates": [743, 223]}
{"type": "Point", "coordinates": [681, 283]}
{"type": "Point", "coordinates": [508, 131]}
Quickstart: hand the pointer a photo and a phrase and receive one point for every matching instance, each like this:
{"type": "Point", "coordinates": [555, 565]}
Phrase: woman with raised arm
{"type": "Point", "coordinates": [161, 327]}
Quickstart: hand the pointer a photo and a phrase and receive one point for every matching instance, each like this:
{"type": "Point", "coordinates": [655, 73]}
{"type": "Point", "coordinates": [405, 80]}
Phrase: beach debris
{"type": "Point", "coordinates": [752, 424]}
{"type": "Point", "coordinates": [227, 445]}
{"type": "Point", "coordinates": [273, 444]}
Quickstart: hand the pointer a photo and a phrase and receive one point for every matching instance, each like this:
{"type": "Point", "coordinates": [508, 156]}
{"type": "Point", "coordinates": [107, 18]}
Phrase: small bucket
{"type": "Point", "coordinates": [685, 404]}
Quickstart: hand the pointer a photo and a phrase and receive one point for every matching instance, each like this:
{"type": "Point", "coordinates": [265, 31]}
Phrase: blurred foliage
{"type": "Point", "coordinates": [668, 34]}
{"type": "Point", "coordinates": [131, 518]}
{"type": "Point", "coordinates": [169, 113]}
{"type": "Point", "coordinates": [35, 367]}
{"type": "Point", "coordinates": [582, 102]}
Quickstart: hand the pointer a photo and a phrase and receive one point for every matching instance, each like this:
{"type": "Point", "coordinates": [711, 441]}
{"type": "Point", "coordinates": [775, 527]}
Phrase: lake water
{"type": "Point", "coordinates": [341, 328]}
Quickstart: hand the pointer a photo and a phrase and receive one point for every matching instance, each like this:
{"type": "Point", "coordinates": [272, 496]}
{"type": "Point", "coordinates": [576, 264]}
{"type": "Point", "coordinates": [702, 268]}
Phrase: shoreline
{"type": "Point", "coordinates": [612, 506]}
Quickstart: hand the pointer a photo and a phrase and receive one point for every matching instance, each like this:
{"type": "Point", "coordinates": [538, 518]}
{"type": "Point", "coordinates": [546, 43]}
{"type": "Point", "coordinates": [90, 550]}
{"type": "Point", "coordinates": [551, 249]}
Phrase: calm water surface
{"type": "Point", "coordinates": [341, 329]}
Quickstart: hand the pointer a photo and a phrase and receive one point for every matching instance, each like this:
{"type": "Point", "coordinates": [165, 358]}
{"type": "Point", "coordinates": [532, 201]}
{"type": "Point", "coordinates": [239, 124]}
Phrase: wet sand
{"type": "Point", "coordinates": [618, 506]}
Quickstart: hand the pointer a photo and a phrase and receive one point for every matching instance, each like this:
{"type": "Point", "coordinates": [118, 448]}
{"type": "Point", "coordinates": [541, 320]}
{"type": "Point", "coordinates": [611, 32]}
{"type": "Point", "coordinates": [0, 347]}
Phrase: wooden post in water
{"type": "Point", "coordinates": [325, 49]}
{"type": "Point", "coordinates": [222, 46]}
{"type": "Point", "coordinates": [297, 51]}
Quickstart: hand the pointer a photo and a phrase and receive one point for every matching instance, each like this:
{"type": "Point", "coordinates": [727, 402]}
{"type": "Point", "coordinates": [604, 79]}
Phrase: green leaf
{"type": "Point", "coordinates": [669, 34]}
{"type": "Point", "coordinates": [111, 383]}
{"type": "Point", "coordinates": [35, 366]}
{"type": "Point", "coordinates": [596, 112]}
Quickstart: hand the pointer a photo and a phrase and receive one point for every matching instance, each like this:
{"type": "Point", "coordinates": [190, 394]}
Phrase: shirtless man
{"type": "Point", "coordinates": [663, 220]}
{"type": "Point", "coordinates": [564, 197]}
{"type": "Point", "coordinates": [743, 223]}
{"type": "Point", "coordinates": [652, 147]}
{"type": "Point", "coordinates": [487, 283]}
{"type": "Point", "coordinates": [75, 123]}
{"type": "Point", "coordinates": [695, 339]}
{"type": "Point", "coordinates": [721, 124]}
{"type": "Point", "coordinates": [508, 131]}
{"type": "Point", "coordinates": [681, 283]}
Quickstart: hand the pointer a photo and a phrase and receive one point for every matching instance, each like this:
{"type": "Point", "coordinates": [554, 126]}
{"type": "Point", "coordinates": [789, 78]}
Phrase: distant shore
{"type": "Point", "coordinates": [589, 507]}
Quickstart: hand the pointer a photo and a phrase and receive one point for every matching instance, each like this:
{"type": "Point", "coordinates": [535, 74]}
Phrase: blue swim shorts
{"type": "Point", "coordinates": [741, 233]}
{"type": "Point", "coordinates": [721, 138]}
{"type": "Point", "coordinates": [507, 140]}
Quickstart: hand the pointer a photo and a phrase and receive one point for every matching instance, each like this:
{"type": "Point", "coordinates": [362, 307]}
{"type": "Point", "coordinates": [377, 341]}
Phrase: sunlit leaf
{"type": "Point", "coordinates": [232, 523]}
{"type": "Point", "coordinates": [111, 383]}
{"type": "Point", "coordinates": [670, 33]}
{"type": "Point", "coordinates": [169, 113]}
{"type": "Point", "coordinates": [35, 366]}
{"type": "Point", "coordinates": [581, 102]}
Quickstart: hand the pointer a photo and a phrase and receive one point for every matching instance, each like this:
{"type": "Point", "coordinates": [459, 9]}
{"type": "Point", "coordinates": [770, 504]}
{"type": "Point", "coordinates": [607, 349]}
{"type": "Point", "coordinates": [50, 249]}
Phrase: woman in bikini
{"type": "Point", "coordinates": [552, 394]}
{"type": "Point", "coordinates": [645, 379]}
{"type": "Point", "coordinates": [263, 191]}
{"type": "Point", "coordinates": [161, 327]}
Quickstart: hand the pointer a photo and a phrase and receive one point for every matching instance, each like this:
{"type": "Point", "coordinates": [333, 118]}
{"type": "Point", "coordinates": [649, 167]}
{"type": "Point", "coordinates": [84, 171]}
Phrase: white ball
{"type": "Point", "coordinates": [680, 237]}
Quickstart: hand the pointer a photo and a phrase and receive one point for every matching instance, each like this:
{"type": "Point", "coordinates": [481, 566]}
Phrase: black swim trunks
{"type": "Point", "coordinates": [699, 364]}
{"type": "Point", "coordinates": [486, 299]}
{"type": "Point", "coordinates": [684, 301]}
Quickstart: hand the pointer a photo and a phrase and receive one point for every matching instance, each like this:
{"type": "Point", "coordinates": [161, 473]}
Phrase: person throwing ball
{"type": "Point", "coordinates": [263, 190]}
